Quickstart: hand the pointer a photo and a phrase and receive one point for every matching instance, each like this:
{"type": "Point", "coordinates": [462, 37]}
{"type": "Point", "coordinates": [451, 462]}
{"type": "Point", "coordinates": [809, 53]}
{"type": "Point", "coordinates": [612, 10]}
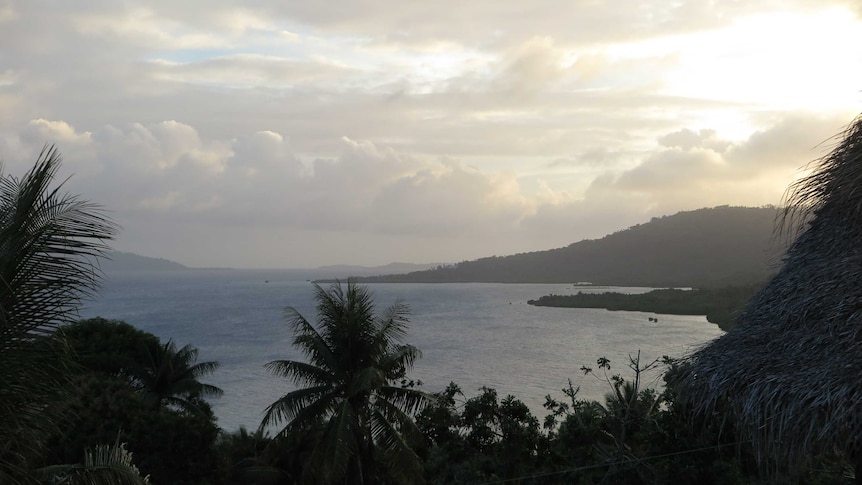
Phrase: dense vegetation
{"type": "Point", "coordinates": [128, 385]}
{"type": "Point", "coordinates": [696, 249]}
{"type": "Point", "coordinates": [636, 435]}
{"type": "Point", "coordinates": [720, 305]}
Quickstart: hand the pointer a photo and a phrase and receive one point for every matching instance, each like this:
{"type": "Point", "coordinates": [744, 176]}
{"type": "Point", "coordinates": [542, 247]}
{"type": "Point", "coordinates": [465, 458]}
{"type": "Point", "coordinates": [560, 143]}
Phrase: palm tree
{"type": "Point", "coordinates": [49, 245]}
{"type": "Point", "coordinates": [171, 377]}
{"type": "Point", "coordinates": [349, 387]}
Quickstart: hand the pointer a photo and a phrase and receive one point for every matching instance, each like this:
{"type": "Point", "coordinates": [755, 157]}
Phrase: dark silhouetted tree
{"type": "Point", "coordinates": [349, 388]}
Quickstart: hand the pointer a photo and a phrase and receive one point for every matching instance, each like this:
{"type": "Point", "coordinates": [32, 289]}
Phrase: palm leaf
{"type": "Point", "coordinates": [300, 409]}
{"type": "Point", "coordinates": [301, 373]}
{"type": "Point", "coordinates": [392, 325]}
{"type": "Point", "coordinates": [409, 401]}
{"type": "Point", "coordinates": [331, 456]}
{"type": "Point", "coordinates": [50, 243]}
{"type": "Point", "coordinates": [399, 360]}
{"type": "Point", "coordinates": [104, 465]}
{"type": "Point", "coordinates": [403, 463]}
{"type": "Point", "coordinates": [310, 341]}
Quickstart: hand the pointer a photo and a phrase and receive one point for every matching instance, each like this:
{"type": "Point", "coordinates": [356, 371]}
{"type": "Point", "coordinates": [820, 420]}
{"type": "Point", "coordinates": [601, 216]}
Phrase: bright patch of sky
{"type": "Point", "coordinates": [774, 61]}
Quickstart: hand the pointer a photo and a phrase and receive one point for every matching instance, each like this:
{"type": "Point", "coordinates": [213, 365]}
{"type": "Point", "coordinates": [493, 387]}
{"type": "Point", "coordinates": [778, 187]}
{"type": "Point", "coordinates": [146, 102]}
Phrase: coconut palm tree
{"type": "Point", "coordinates": [350, 388]}
{"type": "Point", "coordinates": [49, 246]}
{"type": "Point", "coordinates": [171, 376]}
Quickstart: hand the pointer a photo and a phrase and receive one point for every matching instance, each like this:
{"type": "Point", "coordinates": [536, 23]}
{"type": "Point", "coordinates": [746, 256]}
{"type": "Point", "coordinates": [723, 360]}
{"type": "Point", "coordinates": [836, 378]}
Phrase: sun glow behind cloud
{"type": "Point", "coordinates": [773, 62]}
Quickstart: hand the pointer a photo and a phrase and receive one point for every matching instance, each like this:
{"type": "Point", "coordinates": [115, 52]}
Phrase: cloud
{"type": "Point", "coordinates": [450, 199]}
{"type": "Point", "coordinates": [686, 139]}
{"type": "Point", "coordinates": [696, 169]}
{"type": "Point", "coordinates": [412, 130]}
{"type": "Point", "coordinates": [202, 191]}
{"type": "Point", "coordinates": [791, 142]}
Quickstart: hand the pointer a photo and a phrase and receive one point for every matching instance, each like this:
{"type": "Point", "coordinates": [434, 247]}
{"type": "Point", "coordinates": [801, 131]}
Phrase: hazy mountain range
{"type": "Point", "coordinates": [701, 248]}
{"type": "Point", "coordinates": [121, 261]}
{"type": "Point", "coordinates": [124, 261]}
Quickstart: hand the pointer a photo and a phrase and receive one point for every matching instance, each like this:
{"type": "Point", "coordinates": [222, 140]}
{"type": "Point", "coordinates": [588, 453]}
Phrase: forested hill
{"type": "Point", "coordinates": [702, 248]}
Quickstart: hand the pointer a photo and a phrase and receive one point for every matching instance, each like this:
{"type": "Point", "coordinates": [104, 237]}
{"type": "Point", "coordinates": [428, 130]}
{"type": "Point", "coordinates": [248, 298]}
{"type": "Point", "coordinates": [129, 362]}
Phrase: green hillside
{"type": "Point", "coordinates": [702, 248]}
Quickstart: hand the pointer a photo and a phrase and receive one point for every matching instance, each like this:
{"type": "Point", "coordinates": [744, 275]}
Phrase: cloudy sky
{"type": "Point", "coordinates": [288, 133]}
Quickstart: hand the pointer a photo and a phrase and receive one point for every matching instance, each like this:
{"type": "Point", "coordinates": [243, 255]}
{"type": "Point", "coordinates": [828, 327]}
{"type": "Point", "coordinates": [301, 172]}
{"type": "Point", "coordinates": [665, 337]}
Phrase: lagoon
{"type": "Point", "coordinates": [475, 334]}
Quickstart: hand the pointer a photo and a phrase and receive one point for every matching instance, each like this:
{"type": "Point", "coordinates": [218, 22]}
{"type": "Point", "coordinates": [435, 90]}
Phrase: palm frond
{"type": "Point", "coordinates": [310, 341]}
{"type": "Point", "coordinates": [301, 373]}
{"type": "Point", "coordinates": [403, 463]}
{"type": "Point", "coordinates": [331, 307]}
{"type": "Point", "coordinates": [50, 243]}
{"type": "Point", "coordinates": [399, 361]}
{"type": "Point", "coordinates": [396, 414]}
{"type": "Point", "coordinates": [409, 401]}
{"type": "Point", "coordinates": [208, 390]}
{"type": "Point", "coordinates": [299, 408]}
{"type": "Point", "coordinates": [392, 324]}
{"type": "Point", "coordinates": [104, 465]}
{"type": "Point", "coordinates": [202, 369]}
{"type": "Point", "coordinates": [338, 444]}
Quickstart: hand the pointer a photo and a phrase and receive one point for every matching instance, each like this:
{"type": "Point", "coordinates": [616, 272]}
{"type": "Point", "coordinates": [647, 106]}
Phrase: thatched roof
{"type": "Point", "coordinates": [790, 372]}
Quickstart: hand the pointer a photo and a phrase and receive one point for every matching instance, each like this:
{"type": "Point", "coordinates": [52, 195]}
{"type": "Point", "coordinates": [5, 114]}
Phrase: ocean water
{"type": "Point", "coordinates": [474, 334]}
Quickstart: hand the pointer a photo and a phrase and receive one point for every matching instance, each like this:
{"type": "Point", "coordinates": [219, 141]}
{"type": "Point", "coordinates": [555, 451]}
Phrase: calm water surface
{"type": "Point", "coordinates": [475, 334]}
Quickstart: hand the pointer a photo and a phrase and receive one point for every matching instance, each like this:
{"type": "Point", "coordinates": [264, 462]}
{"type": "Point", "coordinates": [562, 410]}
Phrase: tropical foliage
{"type": "Point", "coordinates": [50, 242]}
{"type": "Point", "coordinates": [170, 376]}
{"type": "Point", "coordinates": [103, 465]}
{"type": "Point", "coordinates": [349, 392]}
{"type": "Point", "coordinates": [171, 430]}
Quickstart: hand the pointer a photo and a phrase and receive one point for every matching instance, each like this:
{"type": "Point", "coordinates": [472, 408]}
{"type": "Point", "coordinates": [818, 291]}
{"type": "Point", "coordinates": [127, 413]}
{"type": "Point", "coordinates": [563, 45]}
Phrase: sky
{"type": "Point", "coordinates": [292, 134]}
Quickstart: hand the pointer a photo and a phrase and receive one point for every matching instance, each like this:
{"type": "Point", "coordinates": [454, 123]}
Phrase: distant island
{"type": "Point", "coordinates": [720, 305]}
{"type": "Point", "coordinates": [122, 261]}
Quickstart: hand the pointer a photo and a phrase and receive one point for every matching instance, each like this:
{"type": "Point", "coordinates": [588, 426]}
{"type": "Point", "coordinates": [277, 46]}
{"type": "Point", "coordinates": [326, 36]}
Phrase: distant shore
{"type": "Point", "coordinates": [719, 305]}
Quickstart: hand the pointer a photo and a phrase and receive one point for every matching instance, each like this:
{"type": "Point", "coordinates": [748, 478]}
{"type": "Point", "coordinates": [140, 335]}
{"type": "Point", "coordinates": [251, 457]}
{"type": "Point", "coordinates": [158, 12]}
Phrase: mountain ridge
{"type": "Point", "coordinates": [706, 247]}
{"type": "Point", "coordinates": [125, 261]}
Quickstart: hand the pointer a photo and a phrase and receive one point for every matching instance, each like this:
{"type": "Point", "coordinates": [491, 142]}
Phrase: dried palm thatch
{"type": "Point", "coordinates": [789, 372]}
